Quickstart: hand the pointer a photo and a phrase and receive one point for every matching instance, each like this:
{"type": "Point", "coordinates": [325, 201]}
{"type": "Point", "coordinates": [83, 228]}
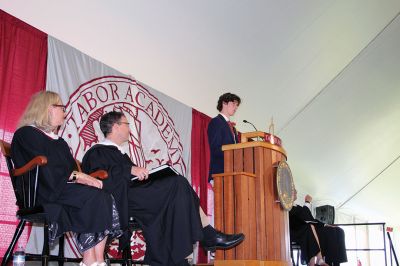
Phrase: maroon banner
{"type": "Point", "coordinates": [23, 54]}
{"type": "Point", "coordinates": [200, 163]}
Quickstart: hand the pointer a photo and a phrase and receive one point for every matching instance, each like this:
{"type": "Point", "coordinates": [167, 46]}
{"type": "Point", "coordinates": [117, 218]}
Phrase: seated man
{"type": "Point", "coordinates": [167, 207]}
{"type": "Point", "coordinates": [316, 239]}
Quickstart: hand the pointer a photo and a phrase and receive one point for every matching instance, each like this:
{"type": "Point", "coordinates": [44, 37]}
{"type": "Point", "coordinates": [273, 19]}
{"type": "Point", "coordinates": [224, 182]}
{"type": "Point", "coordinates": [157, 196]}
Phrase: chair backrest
{"type": "Point", "coordinates": [24, 179]}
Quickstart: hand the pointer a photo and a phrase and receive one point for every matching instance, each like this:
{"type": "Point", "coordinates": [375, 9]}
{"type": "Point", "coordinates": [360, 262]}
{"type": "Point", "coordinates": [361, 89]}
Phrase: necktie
{"type": "Point", "coordinates": [231, 125]}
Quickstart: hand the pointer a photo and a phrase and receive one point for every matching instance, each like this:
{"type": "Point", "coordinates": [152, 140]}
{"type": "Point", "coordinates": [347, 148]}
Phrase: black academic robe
{"type": "Point", "coordinates": [331, 239]}
{"type": "Point", "coordinates": [219, 133]}
{"type": "Point", "coordinates": [167, 208]}
{"type": "Point", "coordinates": [301, 233]}
{"type": "Point", "coordinates": [70, 206]}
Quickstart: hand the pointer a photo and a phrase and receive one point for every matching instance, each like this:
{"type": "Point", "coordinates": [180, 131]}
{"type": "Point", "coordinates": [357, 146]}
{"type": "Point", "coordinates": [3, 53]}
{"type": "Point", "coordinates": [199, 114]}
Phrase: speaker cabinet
{"type": "Point", "coordinates": [325, 214]}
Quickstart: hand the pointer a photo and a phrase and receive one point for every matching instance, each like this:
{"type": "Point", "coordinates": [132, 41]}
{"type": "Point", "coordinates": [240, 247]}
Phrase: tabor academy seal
{"type": "Point", "coordinates": [153, 139]}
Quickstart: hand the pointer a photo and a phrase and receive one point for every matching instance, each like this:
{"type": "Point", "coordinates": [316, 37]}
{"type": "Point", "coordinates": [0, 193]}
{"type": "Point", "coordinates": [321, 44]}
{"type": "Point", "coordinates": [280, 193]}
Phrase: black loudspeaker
{"type": "Point", "coordinates": [325, 214]}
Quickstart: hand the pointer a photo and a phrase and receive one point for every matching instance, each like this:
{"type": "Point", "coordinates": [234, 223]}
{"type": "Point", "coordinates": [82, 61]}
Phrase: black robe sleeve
{"type": "Point", "coordinates": [29, 142]}
{"type": "Point", "coordinates": [103, 157]}
{"type": "Point", "coordinates": [118, 167]}
{"type": "Point", "coordinates": [301, 215]}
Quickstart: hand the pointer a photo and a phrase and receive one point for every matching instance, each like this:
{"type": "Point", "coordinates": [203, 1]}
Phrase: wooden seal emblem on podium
{"type": "Point", "coordinates": [285, 185]}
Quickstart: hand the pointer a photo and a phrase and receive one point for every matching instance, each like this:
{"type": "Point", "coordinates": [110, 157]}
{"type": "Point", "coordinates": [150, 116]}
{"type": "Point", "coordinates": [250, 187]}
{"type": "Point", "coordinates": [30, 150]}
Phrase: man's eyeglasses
{"type": "Point", "coordinates": [61, 106]}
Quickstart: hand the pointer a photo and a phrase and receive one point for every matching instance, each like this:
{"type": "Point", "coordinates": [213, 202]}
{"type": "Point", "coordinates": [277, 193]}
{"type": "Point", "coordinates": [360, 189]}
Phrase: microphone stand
{"type": "Point", "coordinates": [245, 121]}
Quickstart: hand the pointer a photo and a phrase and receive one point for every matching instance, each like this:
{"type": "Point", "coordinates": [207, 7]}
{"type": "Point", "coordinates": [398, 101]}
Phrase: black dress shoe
{"type": "Point", "coordinates": [222, 241]}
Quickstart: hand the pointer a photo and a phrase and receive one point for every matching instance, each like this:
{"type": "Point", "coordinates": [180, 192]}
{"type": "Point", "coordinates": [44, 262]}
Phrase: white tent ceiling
{"type": "Point", "coordinates": [327, 71]}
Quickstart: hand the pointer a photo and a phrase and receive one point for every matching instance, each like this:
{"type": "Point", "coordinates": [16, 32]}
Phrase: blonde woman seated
{"type": "Point", "coordinates": [73, 201]}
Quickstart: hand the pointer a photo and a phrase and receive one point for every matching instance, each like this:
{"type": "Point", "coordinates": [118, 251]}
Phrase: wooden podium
{"type": "Point", "coordinates": [246, 200]}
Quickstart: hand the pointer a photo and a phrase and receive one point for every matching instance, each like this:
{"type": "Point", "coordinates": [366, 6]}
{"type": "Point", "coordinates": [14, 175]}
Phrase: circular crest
{"type": "Point", "coordinates": [153, 139]}
{"type": "Point", "coordinates": [285, 185]}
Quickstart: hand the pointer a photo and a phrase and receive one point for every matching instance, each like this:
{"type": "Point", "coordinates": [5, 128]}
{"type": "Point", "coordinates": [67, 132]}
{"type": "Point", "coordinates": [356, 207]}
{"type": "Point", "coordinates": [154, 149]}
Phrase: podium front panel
{"type": "Point", "coordinates": [246, 200]}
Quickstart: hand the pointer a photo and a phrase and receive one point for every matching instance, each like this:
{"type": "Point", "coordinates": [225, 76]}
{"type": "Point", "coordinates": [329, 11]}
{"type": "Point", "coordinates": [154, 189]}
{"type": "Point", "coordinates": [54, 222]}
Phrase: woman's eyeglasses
{"type": "Point", "coordinates": [60, 105]}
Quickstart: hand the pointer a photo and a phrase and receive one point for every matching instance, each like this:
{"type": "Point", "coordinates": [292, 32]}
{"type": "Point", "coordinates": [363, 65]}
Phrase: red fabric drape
{"type": "Point", "coordinates": [200, 161]}
{"type": "Point", "coordinates": [23, 57]}
{"type": "Point", "coordinates": [200, 155]}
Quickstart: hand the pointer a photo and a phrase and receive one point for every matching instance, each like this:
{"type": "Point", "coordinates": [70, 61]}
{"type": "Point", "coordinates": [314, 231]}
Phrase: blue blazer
{"type": "Point", "coordinates": [219, 133]}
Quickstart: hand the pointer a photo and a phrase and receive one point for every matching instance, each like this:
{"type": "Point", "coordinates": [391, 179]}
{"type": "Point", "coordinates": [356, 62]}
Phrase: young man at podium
{"type": "Point", "coordinates": [166, 207]}
{"type": "Point", "coordinates": [221, 131]}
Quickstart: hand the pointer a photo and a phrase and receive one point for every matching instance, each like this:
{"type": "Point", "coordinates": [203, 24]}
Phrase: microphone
{"type": "Point", "coordinates": [245, 121]}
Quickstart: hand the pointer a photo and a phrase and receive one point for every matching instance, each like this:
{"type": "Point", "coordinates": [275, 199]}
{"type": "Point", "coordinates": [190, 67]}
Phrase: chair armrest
{"type": "Point", "coordinates": [37, 161]}
{"type": "Point", "coordinates": [78, 165]}
{"type": "Point", "coordinates": [5, 148]}
{"type": "Point", "coordinates": [100, 174]}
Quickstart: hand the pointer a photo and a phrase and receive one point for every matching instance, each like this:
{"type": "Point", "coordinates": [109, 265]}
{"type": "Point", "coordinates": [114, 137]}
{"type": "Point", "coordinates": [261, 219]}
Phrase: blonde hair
{"type": "Point", "coordinates": [37, 111]}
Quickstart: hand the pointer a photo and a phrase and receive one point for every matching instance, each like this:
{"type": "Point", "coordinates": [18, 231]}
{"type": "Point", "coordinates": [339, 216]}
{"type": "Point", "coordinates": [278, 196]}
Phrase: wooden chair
{"type": "Point", "coordinates": [25, 181]}
{"type": "Point", "coordinates": [295, 247]}
{"type": "Point", "coordinates": [126, 258]}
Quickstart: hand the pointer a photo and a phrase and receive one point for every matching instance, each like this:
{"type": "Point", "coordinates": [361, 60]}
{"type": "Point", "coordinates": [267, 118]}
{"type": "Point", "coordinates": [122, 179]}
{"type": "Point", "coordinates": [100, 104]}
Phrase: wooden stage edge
{"type": "Point", "coordinates": [251, 263]}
